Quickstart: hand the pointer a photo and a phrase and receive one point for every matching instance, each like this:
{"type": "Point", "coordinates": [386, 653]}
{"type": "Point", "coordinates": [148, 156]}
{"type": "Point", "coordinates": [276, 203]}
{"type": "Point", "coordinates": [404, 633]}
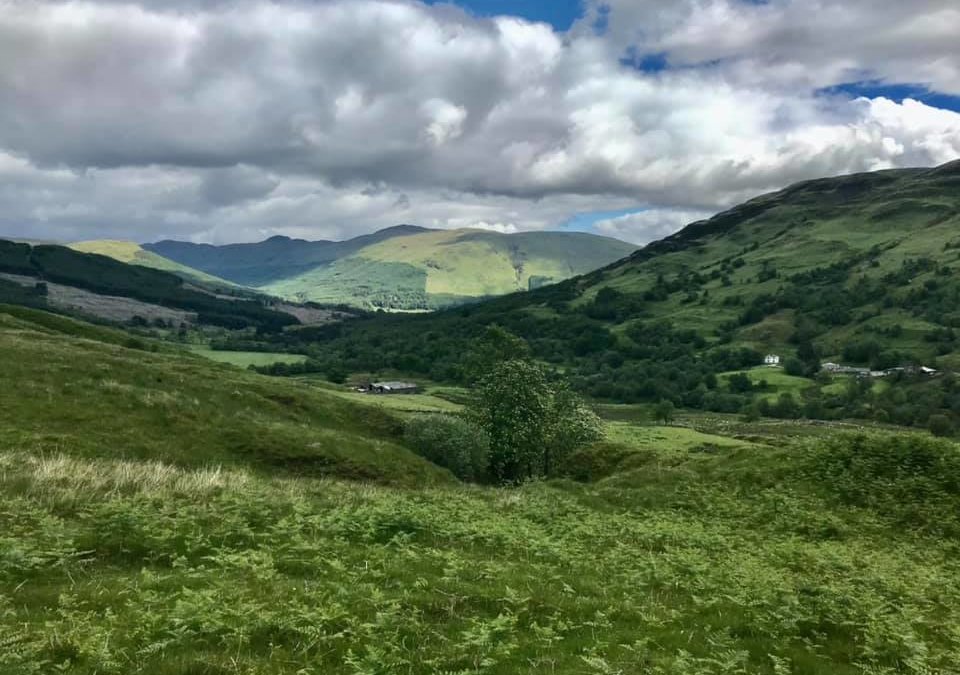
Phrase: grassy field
{"type": "Point", "coordinates": [246, 359]}
{"type": "Point", "coordinates": [709, 563]}
{"type": "Point", "coordinates": [773, 381]}
{"type": "Point", "coordinates": [165, 515]}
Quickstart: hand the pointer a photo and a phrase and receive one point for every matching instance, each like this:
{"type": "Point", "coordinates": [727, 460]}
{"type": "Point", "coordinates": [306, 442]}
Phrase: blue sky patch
{"type": "Point", "coordinates": [584, 222]}
{"type": "Point", "coordinates": [896, 92]}
{"type": "Point", "coordinates": [561, 14]}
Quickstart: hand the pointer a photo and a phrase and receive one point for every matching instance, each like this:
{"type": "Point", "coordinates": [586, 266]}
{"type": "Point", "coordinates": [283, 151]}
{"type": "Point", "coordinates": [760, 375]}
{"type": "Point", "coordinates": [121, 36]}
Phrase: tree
{"type": "Point", "coordinates": [664, 411]}
{"type": "Point", "coordinates": [513, 405]}
{"type": "Point", "coordinates": [740, 383]}
{"type": "Point", "coordinates": [495, 346]}
{"type": "Point", "coordinates": [940, 425]}
{"type": "Point", "coordinates": [531, 422]}
{"type": "Point", "coordinates": [336, 373]}
{"type": "Point", "coordinates": [794, 366]}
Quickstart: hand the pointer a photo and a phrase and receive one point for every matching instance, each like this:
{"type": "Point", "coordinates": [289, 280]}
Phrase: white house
{"type": "Point", "coordinates": [771, 360]}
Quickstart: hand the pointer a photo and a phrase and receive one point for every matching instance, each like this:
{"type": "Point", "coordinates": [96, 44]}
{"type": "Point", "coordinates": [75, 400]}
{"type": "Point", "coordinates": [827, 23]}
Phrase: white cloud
{"type": "Point", "coordinates": [232, 120]}
{"type": "Point", "coordinates": [650, 225]}
{"type": "Point", "coordinates": [445, 120]}
{"type": "Point", "coordinates": [790, 43]}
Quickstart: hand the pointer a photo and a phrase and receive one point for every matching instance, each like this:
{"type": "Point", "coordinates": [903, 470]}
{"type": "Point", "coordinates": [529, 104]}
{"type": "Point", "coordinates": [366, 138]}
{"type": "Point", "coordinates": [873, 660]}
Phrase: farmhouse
{"type": "Point", "coordinates": [771, 360]}
{"type": "Point", "coordinates": [838, 369]}
{"type": "Point", "coordinates": [389, 388]}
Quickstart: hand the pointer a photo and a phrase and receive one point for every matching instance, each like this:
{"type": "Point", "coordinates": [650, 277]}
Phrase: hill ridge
{"type": "Point", "coordinates": [404, 267]}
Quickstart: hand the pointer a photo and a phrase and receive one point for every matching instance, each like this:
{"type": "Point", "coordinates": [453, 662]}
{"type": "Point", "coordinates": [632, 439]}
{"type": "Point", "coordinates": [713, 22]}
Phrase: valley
{"type": "Point", "coordinates": [472, 337]}
{"type": "Point", "coordinates": [855, 270]}
{"type": "Point", "coordinates": [171, 515]}
{"type": "Point", "coordinates": [214, 494]}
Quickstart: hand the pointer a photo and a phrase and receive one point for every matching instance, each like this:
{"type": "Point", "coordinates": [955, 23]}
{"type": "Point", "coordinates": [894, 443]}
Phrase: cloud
{"type": "Point", "coordinates": [232, 120]}
{"type": "Point", "coordinates": [790, 43]}
{"type": "Point", "coordinates": [650, 225]}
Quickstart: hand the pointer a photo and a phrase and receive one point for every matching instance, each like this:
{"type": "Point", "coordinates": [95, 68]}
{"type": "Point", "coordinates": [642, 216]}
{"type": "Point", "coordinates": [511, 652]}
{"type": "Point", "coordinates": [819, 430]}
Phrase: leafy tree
{"type": "Point", "coordinates": [794, 366]}
{"type": "Point", "coordinates": [572, 425]}
{"type": "Point", "coordinates": [751, 413]}
{"type": "Point", "coordinates": [513, 406]}
{"type": "Point", "coordinates": [664, 411]}
{"type": "Point", "coordinates": [740, 383]}
{"type": "Point", "coordinates": [531, 422]}
{"type": "Point", "coordinates": [495, 346]}
{"type": "Point", "coordinates": [337, 373]}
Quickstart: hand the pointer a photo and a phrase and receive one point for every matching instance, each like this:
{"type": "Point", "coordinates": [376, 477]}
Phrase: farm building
{"type": "Point", "coordinates": [838, 369]}
{"type": "Point", "coordinates": [771, 360]}
{"type": "Point", "coordinates": [390, 388]}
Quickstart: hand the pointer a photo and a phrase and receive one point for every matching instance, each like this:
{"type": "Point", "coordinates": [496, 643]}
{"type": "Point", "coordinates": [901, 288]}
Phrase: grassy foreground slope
{"type": "Point", "coordinates": [93, 392]}
{"type": "Point", "coordinates": [736, 560]}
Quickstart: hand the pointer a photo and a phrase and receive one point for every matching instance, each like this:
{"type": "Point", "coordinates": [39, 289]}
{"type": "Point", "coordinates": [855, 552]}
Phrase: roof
{"type": "Point", "coordinates": [395, 385]}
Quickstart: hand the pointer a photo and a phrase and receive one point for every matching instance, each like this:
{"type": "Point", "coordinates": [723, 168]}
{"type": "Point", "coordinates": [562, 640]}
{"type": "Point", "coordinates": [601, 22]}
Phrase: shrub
{"type": "Point", "coordinates": [911, 479]}
{"type": "Point", "coordinates": [940, 425]}
{"type": "Point", "coordinates": [451, 442]}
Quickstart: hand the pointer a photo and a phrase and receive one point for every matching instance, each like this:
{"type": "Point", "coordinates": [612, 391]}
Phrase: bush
{"type": "Point", "coordinates": [451, 442]}
{"type": "Point", "coordinates": [940, 425]}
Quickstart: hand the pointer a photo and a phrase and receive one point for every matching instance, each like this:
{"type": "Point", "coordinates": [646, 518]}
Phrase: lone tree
{"type": "Point", "coordinates": [532, 423]}
{"type": "Point", "coordinates": [663, 412]}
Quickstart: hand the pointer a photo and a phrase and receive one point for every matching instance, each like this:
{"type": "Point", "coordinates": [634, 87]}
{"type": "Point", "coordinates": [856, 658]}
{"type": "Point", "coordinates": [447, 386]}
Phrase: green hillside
{"type": "Point", "coordinates": [107, 276]}
{"type": "Point", "coordinates": [162, 514]}
{"type": "Point", "coordinates": [404, 268]}
{"type": "Point", "coordinates": [95, 392]}
{"type": "Point", "coordinates": [276, 258]}
{"type": "Point", "coordinates": [858, 270]}
{"type": "Point", "coordinates": [134, 254]}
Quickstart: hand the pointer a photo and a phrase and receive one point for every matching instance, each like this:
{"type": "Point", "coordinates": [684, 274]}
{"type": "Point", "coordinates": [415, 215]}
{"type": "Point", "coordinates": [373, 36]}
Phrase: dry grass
{"type": "Point", "coordinates": [106, 477]}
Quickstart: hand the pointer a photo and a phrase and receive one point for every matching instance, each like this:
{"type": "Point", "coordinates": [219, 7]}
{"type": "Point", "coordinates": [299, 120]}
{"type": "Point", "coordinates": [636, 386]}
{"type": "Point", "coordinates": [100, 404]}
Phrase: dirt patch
{"type": "Point", "coordinates": [109, 307]}
{"type": "Point", "coordinates": [310, 316]}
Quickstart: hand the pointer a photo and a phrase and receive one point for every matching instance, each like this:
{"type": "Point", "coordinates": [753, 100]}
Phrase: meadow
{"type": "Point", "coordinates": [246, 359]}
{"type": "Point", "coordinates": [690, 562]}
{"type": "Point", "coordinates": [164, 514]}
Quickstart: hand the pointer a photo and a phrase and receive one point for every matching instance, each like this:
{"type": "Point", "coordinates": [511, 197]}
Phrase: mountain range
{"type": "Point", "coordinates": [859, 270]}
{"type": "Point", "coordinates": [399, 268]}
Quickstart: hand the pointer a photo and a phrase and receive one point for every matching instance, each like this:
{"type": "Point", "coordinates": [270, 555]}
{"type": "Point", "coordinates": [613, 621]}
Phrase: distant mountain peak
{"type": "Point", "coordinates": [403, 228]}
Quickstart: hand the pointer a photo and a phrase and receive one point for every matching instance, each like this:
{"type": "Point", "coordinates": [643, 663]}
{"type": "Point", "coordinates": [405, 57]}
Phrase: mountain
{"type": "Point", "coordinates": [276, 258]}
{"type": "Point", "coordinates": [860, 270]}
{"type": "Point", "coordinates": [403, 267]}
{"type": "Point", "coordinates": [100, 286]}
{"type": "Point", "coordinates": [134, 254]}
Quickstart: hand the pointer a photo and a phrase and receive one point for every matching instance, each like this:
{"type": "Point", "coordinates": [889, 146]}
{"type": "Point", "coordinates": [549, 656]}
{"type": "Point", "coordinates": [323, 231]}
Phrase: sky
{"type": "Point", "coordinates": [235, 120]}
